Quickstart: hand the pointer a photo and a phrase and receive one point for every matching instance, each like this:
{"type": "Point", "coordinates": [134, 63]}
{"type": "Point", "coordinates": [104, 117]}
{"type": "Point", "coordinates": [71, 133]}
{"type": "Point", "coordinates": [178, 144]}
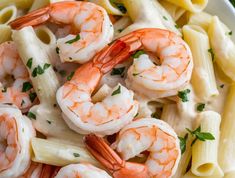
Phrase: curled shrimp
{"type": "Point", "coordinates": [105, 117]}
{"type": "Point", "coordinates": [155, 136]}
{"type": "Point", "coordinates": [11, 65]}
{"type": "Point", "coordinates": [91, 28]}
{"type": "Point", "coordinates": [174, 67]}
{"type": "Point", "coordinates": [15, 133]}
{"type": "Point", "coordinates": [112, 162]}
{"type": "Point", "coordinates": [82, 171]}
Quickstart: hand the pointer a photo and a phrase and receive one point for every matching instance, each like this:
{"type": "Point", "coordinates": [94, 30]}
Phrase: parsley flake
{"type": "Point", "coordinates": [4, 89]}
{"type": "Point", "coordinates": [177, 26]}
{"type": "Point", "coordinates": [117, 91]}
{"type": "Point", "coordinates": [26, 86]}
{"type": "Point", "coordinates": [22, 103]}
{"type": "Point", "coordinates": [76, 155]}
{"type": "Point", "coordinates": [73, 40]}
{"type": "Point", "coordinates": [230, 33]}
{"type": "Point", "coordinates": [165, 18]}
{"type": "Point", "coordinates": [212, 53]}
{"type": "Point", "coordinates": [70, 76]}
{"type": "Point", "coordinates": [46, 66]}
{"type": "Point", "coordinates": [183, 141]}
{"type": "Point", "coordinates": [29, 63]}
{"type": "Point", "coordinates": [184, 95]}
{"type": "Point", "coordinates": [120, 6]}
{"type": "Point", "coordinates": [222, 86]}
{"type": "Point", "coordinates": [138, 53]}
{"type": "Point", "coordinates": [49, 122]}
{"type": "Point", "coordinates": [62, 73]}
{"type": "Point", "coordinates": [57, 49]}
{"type": "Point", "coordinates": [32, 97]}
{"type": "Point", "coordinates": [118, 71]}
{"type": "Point", "coordinates": [201, 107]}
{"type": "Point", "coordinates": [31, 115]}
{"type": "Point", "coordinates": [120, 30]}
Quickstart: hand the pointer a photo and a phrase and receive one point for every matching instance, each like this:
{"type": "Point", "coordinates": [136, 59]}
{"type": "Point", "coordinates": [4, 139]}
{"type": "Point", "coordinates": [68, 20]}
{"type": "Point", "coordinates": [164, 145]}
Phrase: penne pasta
{"type": "Point", "coordinates": [101, 93]}
{"type": "Point", "coordinates": [217, 174]}
{"type": "Point", "coordinates": [198, 42]}
{"type": "Point", "coordinates": [227, 139]}
{"type": "Point", "coordinates": [5, 32]}
{"type": "Point", "coordinates": [8, 14]}
{"type": "Point", "coordinates": [201, 19]}
{"type": "Point", "coordinates": [59, 154]}
{"type": "Point", "coordinates": [204, 153]}
{"type": "Point", "coordinates": [223, 47]}
{"type": "Point", "coordinates": [22, 4]}
{"type": "Point", "coordinates": [175, 11]}
{"type": "Point", "coordinates": [190, 5]}
{"type": "Point", "coordinates": [120, 25]}
{"type": "Point", "coordinates": [230, 175]}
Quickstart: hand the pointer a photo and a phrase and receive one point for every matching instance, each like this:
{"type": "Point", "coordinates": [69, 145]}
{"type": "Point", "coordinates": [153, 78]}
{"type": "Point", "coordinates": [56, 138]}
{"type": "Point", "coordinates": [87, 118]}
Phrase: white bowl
{"type": "Point", "coordinates": [225, 11]}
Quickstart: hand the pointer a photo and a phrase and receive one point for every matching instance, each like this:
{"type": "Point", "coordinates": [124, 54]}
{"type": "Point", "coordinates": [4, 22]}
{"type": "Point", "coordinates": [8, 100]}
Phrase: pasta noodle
{"type": "Point", "coordinates": [230, 175]}
{"type": "Point", "coordinates": [8, 14]}
{"type": "Point", "coordinates": [201, 19]}
{"type": "Point", "coordinates": [120, 25]}
{"type": "Point", "coordinates": [204, 154]}
{"type": "Point", "coordinates": [227, 139]}
{"type": "Point", "coordinates": [58, 153]}
{"type": "Point", "coordinates": [175, 11]}
{"type": "Point", "coordinates": [198, 41]}
{"type": "Point", "coordinates": [217, 174]}
{"type": "Point", "coordinates": [223, 47]}
{"type": "Point", "coordinates": [5, 32]}
{"type": "Point", "coordinates": [191, 5]}
{"type": "Point", "coordinates": [22, 4]}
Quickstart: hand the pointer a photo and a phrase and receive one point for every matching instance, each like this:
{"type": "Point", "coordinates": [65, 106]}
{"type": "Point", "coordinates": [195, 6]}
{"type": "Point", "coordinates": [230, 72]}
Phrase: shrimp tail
{"type": "Point", "coordinates": [103, 153]}
{"type": "Point", "coordinates": [111, 55]}
{"type": "Point", "coordinates": [34, 18]}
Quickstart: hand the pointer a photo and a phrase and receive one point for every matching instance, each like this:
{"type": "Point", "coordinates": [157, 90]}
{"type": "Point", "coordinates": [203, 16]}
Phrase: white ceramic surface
{"type": "Point", "coordinates": [225, 11]}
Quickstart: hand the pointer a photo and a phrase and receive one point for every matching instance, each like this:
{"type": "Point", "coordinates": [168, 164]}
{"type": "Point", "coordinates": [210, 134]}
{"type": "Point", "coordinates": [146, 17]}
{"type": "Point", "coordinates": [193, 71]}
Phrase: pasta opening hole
{"type": "Point", "coordinates": [205, 168]}
{"type": "Point", "coordinates": [43, 36]}
{"type": "Point", "coordinates": [6, 16]}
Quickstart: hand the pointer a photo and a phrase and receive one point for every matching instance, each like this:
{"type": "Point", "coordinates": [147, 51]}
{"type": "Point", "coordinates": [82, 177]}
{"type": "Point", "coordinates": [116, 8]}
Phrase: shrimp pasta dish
{"type": "Point", "coordinates": [116, 88]}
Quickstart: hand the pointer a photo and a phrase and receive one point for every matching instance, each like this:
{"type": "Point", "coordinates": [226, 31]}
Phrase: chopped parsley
{"type": "Point", "coordinates": [201, 107]}
{"type": "Point", "coordinates": [70, 76]}
{"type": "Point", "coordinates": [232, 2]}
{"type": "Point", "coordinates": [212, 53]}
{"type": "Point", "coordinates": [165, 18]}
{"type": "Point", "coordinates": [49, 122]}
{"type": "Point", "coordinates": [31, 115]}
{"type": "Point", "coordinates": [120, 6]}
{"type": "Point", "coordinates": [29, 63]}
{"type": "Point", "coordinates": [46, 66]}
{"type": "Point", "coordinates": [22, 103]}
{"type": "Point", "coordinates": [117, 91]}
{"type": "Point", "coordinates": [184, 95]}
{"type": "Point", "coordinates": [4, 90]}
{"type": "Point", "coordinates": [120, 30]}
{"type": "Point", "coordinates": [26, 86]}
{"type": "Point", "coordinates": [118, 71]}
{"type": "Point", "coordinates": [202, 136]}
{"type": "Point", "coordinates": [222, 86]}
{"type": "Point", "coordinates": [138, 53]}
{"type": "Point", "coordinates": [136, 115]}
{"type": "Point", "coordinates": [73, 40]}
{"type": "Point", "coordinates": [183, 141]}
{"type": "Point", "coordinates": [57, 49]}
{"type": "Point", "coordinates": [135, 74]}
{"type": "Point", "coordinates": [40, 70]}
{"type": "Point", "coordinates": [177, 26]}
{"type": "Point", "coordinates": [230, 33]}
{"type": "Point", "coordinates": [62, 73]}
{"type": "Point", "coordinates": [32, 97]}
{"type": "Point", "coordinates": [76, 155]}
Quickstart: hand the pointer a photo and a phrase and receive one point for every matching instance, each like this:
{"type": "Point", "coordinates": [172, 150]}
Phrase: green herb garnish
{"type": "Point", "coordinates": [46, 66]}
{"type": "Point", "coordinates": [57, 49]}
{"type": "Point", "coordinates": [201, 107]}
{"type": "Point", "coordinates": [32, 97]}
{"type": "Point", "coordinates": [31, 115]}
{"type": "Point", "coordinates": [76, 155]}
{"type": "Point", "coordinates": [184, 95]}
{"type": "Point", "coordinates": [120, 6]}
{"type": "Point", "coordinates": [138, 53]}
{"type": "Point", "coordinates": [49, 122]}
{"type": "Point", "coordinates": [212, 53]}
{"type": "Point", "coordinates": [26, 86]}
{"type": "Point", "coordinates": [183, 141]}
{"type": "Point", "coordinates": [73, 40]}
{"type": "Point", "coordinates": [29, 63]}
{"type": "Point", "coordinates": [70, 76]}
{"type": "Point", "coordinates": [165, 18]}
{"type": "Point", "coordinates": [117, 91]}
{"type": "Point", "coordinates": [118, 71]}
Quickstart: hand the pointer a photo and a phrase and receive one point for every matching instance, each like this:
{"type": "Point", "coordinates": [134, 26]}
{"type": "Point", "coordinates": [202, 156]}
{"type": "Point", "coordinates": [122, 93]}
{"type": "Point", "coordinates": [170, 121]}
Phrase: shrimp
{"type": "Point", "coordinates": [91, 28]}
{"type": "Point", "coordinates": [174, 67]}
{"type": "Point", "coordinates": [81, 170]}
{"type": "Point", "coordinates": [105, 117]}
{"type": "Point", "coordinates": [112, 162]}
{"type": "Point", "coordinates": [11, 65]}
{"type": "Point", "coordinates": [16, 131]}
{"type": "Point", "coordinates": [155, 136]}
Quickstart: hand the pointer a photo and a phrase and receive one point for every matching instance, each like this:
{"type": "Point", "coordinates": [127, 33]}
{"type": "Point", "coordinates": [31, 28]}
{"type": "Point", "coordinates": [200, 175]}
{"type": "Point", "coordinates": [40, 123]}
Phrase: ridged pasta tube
{"type": "Point", "coordinates": [22, 4]}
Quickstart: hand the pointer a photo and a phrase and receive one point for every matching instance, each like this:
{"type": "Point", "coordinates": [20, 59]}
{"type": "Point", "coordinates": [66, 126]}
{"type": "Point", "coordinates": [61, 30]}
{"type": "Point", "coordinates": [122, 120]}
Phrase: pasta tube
{"type": "Point", "coordinates": [227, 139]}
{"type": "Point", "coordinates": [8, 14]}
{"type": "Point", "coordinates": [5, 32]}
{"type": "Point", "coordinates": [201, 19]}
{"type": "Point", "coordinates": [107, 5]}
{"type": "Point", "coordinates": [175, 11]}
{"type": "Point", "coordinates": [59, 154]}
{"type": "Point", "coordinates": [204, 153]}
{"type": "Point", "coordinates": [190, 5]}
{"type": "Point", "coordinates": [120, 25]}
{"type": "Point", "coordinates": [45, 84]}
{"type": "Point", "coordinates": [217, 174]}
{"type": "Point", "coordinates": [230, 175]}
{"type": "Point", "coordinates": [22, 4]}
{"type": "Point", "coordinates": [223, 47]}
{"type": "Point", "coordinates": [203, 71]}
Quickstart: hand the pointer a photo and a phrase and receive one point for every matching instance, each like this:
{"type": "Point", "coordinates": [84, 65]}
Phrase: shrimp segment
{"type": "Point", "coordinates": [81, 171]}
{"type": "Point", "coordinates": [11, 65]}
{"type": "Point", "coordinates": [112, 162]}
{"type": "Point", "coordinates": [155, 136]}
{"type": "Point", "coordinates": [174, 67]}
{"type": "Point", "coordinates": [15, 134]}
{"type": "Point", "coordinates": [91, 28]}
{"type": "Point", "coordinates": [105, 117]}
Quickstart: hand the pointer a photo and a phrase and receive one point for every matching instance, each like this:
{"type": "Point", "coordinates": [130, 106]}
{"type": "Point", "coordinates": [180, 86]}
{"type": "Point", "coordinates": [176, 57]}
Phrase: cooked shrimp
{"type": "Point", "coordinates": [174, 67]}
{"type": "Point", "coordinates": [81, 171]}
{"type": "Point", "coordinates": [105, 117]}
{"type": "Point", "coordinates": [11, 65]}
{"type": "Point", "coordinates": [91, 28]}
{"type": "Point", "coordinates": [15, 133]}
{"type": "Point", "coordinates": [155, 136]}
{"type": "Point", "coordinates": [112, 162]}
